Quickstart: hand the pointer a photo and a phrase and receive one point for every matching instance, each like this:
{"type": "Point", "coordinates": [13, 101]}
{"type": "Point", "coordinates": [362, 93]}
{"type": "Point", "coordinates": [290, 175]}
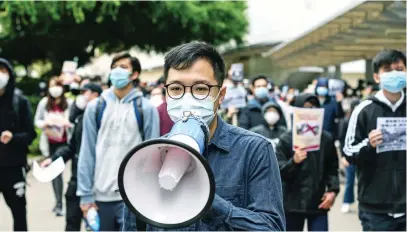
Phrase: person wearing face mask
{"type": "Point", "coordinates": [16, 134]}
{"type": "Point", "coordinates": [70, 151]}
{"type": "Point", "coordinates": [54, 104]}
{"type": "Point", "coordinates": [157, 96]}
{"type": "Point", "coordinates": [248, 186]}
{"type": "Point", "coordinates": [252, 114]}
{"type": "Point", "coordinates": [310, 179]}
{"type": "Point", "coordinates": [333, 107]}
{"type": "Point", "coordinates": [116, 122]}
{"type": "Point", "coordinates": [381, 176]}
{"type": "Point", "coordinates": [271, 130]}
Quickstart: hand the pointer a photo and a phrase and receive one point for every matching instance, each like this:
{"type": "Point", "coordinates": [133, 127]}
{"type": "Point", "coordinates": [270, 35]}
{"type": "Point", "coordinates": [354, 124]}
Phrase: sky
{"type": "Point", "coordinates": [276, 20]}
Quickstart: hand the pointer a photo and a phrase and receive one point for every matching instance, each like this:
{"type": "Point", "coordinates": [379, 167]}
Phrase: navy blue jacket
{"type": "Point", "coordinates": [333, 110]}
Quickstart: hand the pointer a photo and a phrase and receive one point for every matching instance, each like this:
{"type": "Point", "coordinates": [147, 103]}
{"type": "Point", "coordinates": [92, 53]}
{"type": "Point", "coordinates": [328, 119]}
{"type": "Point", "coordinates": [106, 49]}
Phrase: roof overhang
{"type": "Point", "coordinates": [358, 33]}
{"type": "Point", "coordinates": [249, 50]}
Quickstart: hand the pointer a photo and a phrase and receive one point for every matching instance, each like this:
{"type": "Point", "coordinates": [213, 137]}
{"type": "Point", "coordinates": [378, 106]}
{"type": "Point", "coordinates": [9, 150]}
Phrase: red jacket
{"type": "Point", "coordinates": [165, 121]}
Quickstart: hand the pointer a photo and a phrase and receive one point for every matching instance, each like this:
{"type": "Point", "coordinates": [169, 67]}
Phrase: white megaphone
{"type": "Point", "coordinates": [166, 182]}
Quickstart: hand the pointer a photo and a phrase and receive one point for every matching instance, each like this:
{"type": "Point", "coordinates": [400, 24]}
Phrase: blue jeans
{"type": "Point", "coordinates": [349, 196]}
{"type": "Point", "coordinates": [111, 215]}
{"type": "Point", "coordinates": [381, 222]}
{"type": "Point", "coordinates": [315, 222]}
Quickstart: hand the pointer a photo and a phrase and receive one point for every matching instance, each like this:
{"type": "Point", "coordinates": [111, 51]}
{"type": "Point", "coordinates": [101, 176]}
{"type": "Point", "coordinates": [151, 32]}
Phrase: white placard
{"type": "Point", "coordinates": [307, 128]}
{"type": "Point", "coordinates": [235, 96]}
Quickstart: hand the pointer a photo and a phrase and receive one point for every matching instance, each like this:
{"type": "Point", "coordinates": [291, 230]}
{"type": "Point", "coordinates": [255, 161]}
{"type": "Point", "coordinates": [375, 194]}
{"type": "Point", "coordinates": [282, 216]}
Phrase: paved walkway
{"type": "Point", "coordinates": [40, 201]}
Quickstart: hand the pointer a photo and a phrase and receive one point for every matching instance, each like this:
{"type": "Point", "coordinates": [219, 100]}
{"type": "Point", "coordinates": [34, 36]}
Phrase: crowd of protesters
{"type": "Point", "coordinates": [103, 121]}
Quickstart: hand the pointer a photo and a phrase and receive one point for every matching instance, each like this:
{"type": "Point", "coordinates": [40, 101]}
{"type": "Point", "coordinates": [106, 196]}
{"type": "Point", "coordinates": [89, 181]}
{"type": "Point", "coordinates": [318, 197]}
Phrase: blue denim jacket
{"type": "Point", "coordinates": [248, 185]}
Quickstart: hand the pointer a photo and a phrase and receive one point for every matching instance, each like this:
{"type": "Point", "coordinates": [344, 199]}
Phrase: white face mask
{"type": "Point", "coordinates": [81, 101]}
{"type": "Point", "coordinates": [156, 100]}
{"type": "Point", "coordinates": [4, 78]}
{"type": "Point", "coordinates": [201, 108]}
{"type": "Point", "coordinates": [56, 91]}
{"type": "Point", "coordinates": [272, 117]}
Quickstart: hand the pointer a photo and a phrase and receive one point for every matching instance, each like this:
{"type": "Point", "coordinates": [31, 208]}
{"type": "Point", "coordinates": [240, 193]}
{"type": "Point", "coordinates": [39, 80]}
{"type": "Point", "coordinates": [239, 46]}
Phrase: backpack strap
{"type": "Point", "coordinates": [100, 108]}
{"type": "Point", "coordinates": [138, 110]}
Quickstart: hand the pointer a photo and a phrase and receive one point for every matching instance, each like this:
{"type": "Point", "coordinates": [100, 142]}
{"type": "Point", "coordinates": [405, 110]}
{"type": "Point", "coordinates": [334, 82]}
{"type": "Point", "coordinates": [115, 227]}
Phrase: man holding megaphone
{"type": "Point", "coordinates": [205, 174]}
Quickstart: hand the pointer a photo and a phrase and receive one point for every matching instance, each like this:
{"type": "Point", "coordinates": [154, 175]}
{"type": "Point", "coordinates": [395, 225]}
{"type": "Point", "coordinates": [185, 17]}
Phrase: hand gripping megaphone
{"type": "Point", "coordinates": [166, 182]}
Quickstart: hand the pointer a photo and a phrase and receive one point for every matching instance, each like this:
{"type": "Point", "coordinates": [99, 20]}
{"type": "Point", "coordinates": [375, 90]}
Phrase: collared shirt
{"type": "Point", "coordinates": [248, 184]}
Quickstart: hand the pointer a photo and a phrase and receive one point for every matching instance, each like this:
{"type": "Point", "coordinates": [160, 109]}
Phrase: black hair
{"type": "Point", "coordinates": [185, 55]}
{"type": "Point", "coordinates": [97, 78]}
{"type": "Point", "coordinates": [387, 57]}
{"type": "Point", "coordinates": [259, 77]}
{"type": "Point", "coordinates": [135, 63]}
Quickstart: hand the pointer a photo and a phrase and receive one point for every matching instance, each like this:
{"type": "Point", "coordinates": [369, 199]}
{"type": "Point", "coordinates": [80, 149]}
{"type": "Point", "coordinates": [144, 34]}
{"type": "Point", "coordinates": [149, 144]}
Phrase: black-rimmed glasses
{"type": "Point", "coordinates": [198, 91]}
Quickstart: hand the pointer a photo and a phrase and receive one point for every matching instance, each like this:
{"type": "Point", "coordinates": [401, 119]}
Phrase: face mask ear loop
{"type": "Point", "coordinates": [214, 103]}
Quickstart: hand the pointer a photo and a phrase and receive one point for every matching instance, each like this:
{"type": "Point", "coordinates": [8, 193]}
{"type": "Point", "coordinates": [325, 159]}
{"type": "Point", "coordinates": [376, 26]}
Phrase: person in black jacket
{"type": "Point", "coordinates": [70, 152]}
{"type": "Point", "coordinates": [310, 179]}
{"type": "Point", "coordinates": [16, 134]}
{"type": "Point", "coordinates": [381, 175]}
{"type": "Point", "coordinates": [270, 129]}
{"type": "Point", "coordinates": [252, 115]}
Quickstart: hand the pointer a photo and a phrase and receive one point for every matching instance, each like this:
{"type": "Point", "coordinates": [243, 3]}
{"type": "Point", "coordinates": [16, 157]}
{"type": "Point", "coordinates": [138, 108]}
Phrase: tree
{"type": "Point", "coordinates": [61, 30]}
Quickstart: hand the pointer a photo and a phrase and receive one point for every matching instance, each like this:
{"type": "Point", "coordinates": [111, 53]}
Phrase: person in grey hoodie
{"type": "Point", "coordinates": [106, 142]}
{"type": "Point", "coordinates": [271, 129]}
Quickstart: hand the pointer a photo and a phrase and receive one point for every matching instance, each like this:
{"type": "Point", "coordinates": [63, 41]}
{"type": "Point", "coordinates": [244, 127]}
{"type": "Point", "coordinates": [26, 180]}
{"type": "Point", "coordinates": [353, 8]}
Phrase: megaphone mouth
{"type": "Point", "coordinates": [161, 142]}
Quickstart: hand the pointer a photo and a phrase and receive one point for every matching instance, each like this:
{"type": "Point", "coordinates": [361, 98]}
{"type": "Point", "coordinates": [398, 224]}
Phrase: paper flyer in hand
{"type": "Point", "coordinates": [56, 126]}
{"type": "Point", "coordinates": [307, 128]}
{"type": "Point", "coordinates": [394, 134]}
{"type": "Point", "coordinates": [47, 174]}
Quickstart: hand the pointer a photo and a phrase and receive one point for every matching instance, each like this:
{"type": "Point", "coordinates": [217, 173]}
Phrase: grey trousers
{"type": "Point", "coordinates": [58, 182]}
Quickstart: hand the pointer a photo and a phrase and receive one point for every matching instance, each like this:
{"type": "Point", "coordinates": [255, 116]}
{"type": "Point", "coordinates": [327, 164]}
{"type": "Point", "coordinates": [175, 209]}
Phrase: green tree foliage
{"type": "Point", "coordinates": [60, 30]}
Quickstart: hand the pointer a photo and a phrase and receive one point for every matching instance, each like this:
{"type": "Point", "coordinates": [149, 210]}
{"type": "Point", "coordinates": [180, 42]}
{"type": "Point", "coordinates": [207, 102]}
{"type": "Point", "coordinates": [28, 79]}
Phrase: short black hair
{"type": "Point", "coordinates": [185, 55]}
{"type": "Point", "coordinates": [387, 57]}
{"type": "Point", "coordinates": [259, 77]}
{"type": "Point", "coordinates": [135, 63]}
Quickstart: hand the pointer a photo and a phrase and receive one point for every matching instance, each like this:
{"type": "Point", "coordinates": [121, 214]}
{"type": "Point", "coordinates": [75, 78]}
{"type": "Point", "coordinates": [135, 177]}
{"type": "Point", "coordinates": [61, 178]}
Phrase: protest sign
{"type": "Point", "coordinates": [235, 96]}
{"type": "Point", "coordinates": [394, 134]}
{"type": "Point", "coordinates": [307, 128]}
{"type": "Point", "coordinates": [68, 71]}
{"type": "Point", "coordinates": [335, 86]}
{"type": "Point", "coordinates": [237, 72]}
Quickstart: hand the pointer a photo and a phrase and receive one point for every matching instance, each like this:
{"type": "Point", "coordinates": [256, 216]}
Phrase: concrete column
{"type": "Point", "coordinates": [326, 72]}
{"type": "Point", "coordinates": [338, 72]}
{"type": "Point", "coordinates": [369, 69]}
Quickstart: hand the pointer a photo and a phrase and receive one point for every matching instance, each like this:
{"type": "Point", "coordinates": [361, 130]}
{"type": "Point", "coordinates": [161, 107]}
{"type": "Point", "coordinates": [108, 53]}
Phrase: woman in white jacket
{"type": "Point", "coordinates": [54, 104]}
